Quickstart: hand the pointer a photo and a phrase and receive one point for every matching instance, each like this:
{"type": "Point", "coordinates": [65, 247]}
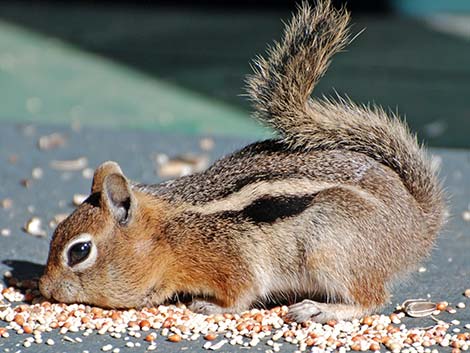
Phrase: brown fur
{"type": "Point", "coordinates": [336, 208]}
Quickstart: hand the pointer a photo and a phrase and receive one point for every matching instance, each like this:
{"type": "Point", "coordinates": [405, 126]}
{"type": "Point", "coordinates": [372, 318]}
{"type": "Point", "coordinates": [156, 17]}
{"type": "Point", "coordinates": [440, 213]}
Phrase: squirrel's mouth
{"type": "Point", "coordinates": [60, 291]}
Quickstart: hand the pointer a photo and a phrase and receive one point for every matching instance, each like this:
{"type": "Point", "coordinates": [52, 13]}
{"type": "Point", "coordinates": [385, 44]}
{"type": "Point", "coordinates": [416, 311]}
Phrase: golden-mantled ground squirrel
{"type": "Point", "coordinates": [343, 202]}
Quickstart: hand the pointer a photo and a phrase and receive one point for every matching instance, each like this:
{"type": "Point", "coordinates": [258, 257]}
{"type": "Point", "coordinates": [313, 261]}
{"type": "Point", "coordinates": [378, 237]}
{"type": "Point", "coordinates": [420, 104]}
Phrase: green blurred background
{"type": "Point", "coordinates": [179, 66]}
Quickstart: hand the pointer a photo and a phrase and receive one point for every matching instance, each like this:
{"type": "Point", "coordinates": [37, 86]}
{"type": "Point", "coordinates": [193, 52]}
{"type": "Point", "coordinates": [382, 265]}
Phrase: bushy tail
{"type": "Point", "coordinates": [280, 91]}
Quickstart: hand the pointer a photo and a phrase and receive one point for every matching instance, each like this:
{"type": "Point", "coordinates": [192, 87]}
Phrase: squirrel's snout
{"type": "Point", "coordinates": [45, 287]}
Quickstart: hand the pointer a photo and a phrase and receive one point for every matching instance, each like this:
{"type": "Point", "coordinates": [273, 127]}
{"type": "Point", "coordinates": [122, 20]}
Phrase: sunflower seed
{"type": "Point", "coordinates": [418, 307]}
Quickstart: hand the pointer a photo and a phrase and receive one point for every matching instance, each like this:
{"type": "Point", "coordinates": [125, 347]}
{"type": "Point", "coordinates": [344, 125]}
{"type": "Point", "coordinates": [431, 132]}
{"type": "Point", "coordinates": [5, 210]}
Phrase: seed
{"type": "Point", "coordinates": [241, 326]}
{"type": "Point", "coordinates": [466, 216]}
{"type": "Point", "coordinates": [356, 347]}
{"type": "Point", "coordinates": [418, 308]}
{"type": "Point", "coordinates": [27, 329]}
{"type": "Point", "coordinates": [210, 336]}
{"type": "Point", "coordinates": [52, 141]}
{"type": "Point", "coordinates": [150, 338]}
{"type": "Point", "coordinates": [19, 319]}
{"type": "Point", "coordinates": [461, 305]}
{"type": "Point", "coordinates": [367, 321]}
{"type": "Point", "coordinates": [467, 293]}
{"type": "Point", "coordinates": [70, 165]}
{"type": "Point", "coordinates": [106, 348]}
{"type": "Point", "coordinates": [144, 324]}
{"type": "Point", "coordinates": [441, 306]}
{"type": "Point", "coordinates": [168, 323]}
{"type": "Point", "coordinates": [394, 347]}
{"type": "Point", "coordinates": [6, 203]}
{"type": "Point", "coordinates": [50, 342]}
{"type": "Point", "coordinates": [206, 144]}
{"type": "Point", "coordinates": [78, 199]}
{"type": "Point", "coordinates": [37, 173]}
{"type": "Point", "coordinates": [331, 323]}
{"type": "Point", "coordinates": [374, 346]}
{"type": "Point", "coordinates": [174, 338]}
{"type": "Point", "coordinates": [289, 334]}
{"type": "Point", "coordinates": [34, 227]}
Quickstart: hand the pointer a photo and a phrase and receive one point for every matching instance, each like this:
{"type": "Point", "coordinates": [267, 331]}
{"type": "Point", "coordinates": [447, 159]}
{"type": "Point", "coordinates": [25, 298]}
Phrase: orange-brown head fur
{"type": "Point", "coordinates": [125, 233]}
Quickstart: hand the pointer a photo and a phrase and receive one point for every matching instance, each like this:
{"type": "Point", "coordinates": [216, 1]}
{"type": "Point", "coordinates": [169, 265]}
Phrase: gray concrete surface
{"type": "Point", "coordinates": [447, 272]}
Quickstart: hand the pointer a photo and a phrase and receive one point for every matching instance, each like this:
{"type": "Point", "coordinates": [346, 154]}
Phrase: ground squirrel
{"type": "Point", "coordinates": [334, 209]}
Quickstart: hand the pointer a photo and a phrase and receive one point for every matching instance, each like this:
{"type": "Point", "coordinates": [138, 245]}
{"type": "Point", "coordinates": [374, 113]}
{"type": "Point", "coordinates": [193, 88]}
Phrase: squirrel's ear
{"type": "Point", "coordinates": [101, 172]}
{"type": "Point", "coordinates": [118, 197]}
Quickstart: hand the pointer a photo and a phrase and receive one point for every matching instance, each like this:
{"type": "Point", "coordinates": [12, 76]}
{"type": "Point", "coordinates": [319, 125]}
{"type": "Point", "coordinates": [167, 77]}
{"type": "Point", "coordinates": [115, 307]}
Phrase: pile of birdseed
{"type": "Point", "coordinates": [249, 329]}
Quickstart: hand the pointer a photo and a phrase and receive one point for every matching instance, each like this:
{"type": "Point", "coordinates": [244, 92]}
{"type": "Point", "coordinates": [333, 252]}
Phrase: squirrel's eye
{"type": "Point", "coordinates": [79, 252]}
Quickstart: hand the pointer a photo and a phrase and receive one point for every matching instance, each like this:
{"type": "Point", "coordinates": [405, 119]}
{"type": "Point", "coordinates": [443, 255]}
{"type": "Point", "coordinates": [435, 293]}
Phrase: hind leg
{"type": "Point", "coordinates": [349, 298]}
{"type": "Point", "coordinates": [362, 299]}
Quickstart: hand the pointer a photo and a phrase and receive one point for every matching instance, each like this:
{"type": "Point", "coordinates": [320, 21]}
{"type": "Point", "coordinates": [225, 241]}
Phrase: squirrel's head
{"type": "Point", "coordinates": [102, 253]}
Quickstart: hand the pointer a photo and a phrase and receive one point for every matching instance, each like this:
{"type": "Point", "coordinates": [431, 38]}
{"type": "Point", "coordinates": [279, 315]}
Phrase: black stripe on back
{"type": "Point", "coordinates": [268, 209]}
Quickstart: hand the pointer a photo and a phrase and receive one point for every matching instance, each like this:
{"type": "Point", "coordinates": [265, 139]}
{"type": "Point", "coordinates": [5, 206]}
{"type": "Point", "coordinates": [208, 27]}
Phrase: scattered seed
{"type": "Point", "coordinates": [52, 141]}
{"type": "Point", "coordinates": [26, 183]}
{"type": "Point", "coordinates": [37, 173]}
{"type": "Point", "coordinates": [50, 342]}
{"type": "Point", "coordinates": [150, 338]}
{"type": "Point", "coordinates": [461, 305]}
{"type": "Point", "coordinates": [88, 173]}
{"type": "Point", "coordinates": [78, 199]}
{"type": "Point", "coordinates": [442, 306]}
{"type": "Point", "coordinates": [374, 332]}
{"type": "Point", "coordinates": [418, 307]}
{"type": "Point", "coordinates": [181, 165]}
{"type": "Point", "coordinates": [466, 216]}
{"type": "Point", "coordinates": [34, 227]}
{"type": "Point", "coordinates": [422, 269]}
{"type": "Point", "coordinates": [69, 339]}
{"type": "Point", "coordinates": [70, 165]}
{"type": "Point", "coordinates": [5, 232]}
{"type": "Point", "coordinates": [6, 203]}
{"type": "Point", "coordinates": [218, 345]}
{"type": "Point", "coordinates": [210, 336]}
{"type": "Point", "coordinates": [467, 293]}
{"type": "Point", "coordinates": [174, 338]}
{"type": "Point", "coordinates": [206, 144]}
{"type": "Point", "coordinates": [57, 219]}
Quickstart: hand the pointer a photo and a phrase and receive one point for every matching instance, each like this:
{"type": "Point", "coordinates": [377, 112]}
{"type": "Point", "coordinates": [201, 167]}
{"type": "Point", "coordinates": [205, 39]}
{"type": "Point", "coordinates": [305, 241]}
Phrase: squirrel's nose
{"type": "Point", "coordinates": [45, 287]}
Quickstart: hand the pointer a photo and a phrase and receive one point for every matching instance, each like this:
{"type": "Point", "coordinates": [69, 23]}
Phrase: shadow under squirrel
{"type": "Point", "coordinates": [342, 203]}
